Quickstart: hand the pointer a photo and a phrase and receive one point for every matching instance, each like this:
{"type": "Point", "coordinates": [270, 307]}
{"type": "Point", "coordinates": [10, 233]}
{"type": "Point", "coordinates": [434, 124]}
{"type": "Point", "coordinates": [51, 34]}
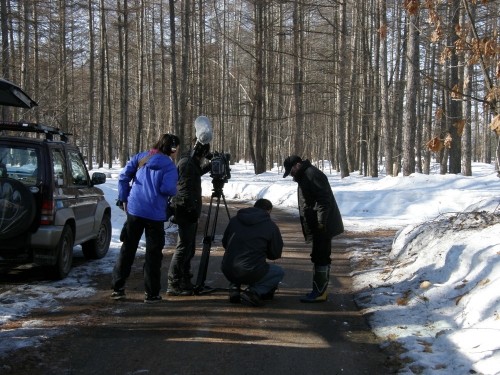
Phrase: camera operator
{"type": "Point", "coordinates": [250, 238]}
{"type": "Point", "coordinates": [187, 205]}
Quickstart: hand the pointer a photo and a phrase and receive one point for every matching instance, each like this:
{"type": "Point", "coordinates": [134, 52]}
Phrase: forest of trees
{"type": "Point", "coordinates": [374, 86]}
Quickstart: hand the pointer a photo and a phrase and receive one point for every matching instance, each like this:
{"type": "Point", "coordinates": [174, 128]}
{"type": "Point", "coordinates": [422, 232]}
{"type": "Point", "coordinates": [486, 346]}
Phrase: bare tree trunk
{"type": "Point", "coordinates": [467, 105]}
{"type": "Point", "coordinates": [429, 113]}
{"type": "Point", "coordinates": [201, 58]}
{"type": "Point", "coordinates": [91, 91]}
{"type": "Point", "coordinates": [384, 90]}
{"type": "Point", "coordinates": [123, 48]}
{"type": "Point", "coordinates": [410, 116]}
{"type": "Point", "coordinates": [467, 135]}
{"type": "Point", "coordinates": [164, 117]}
{"type": "Point", "coordinates": [26, 43]}
{"type": "Point", "coordinates": [454, 111]}
{"type": "Point", "coordinates": [5, 40]}
{"type": "Point", "coordinates": [139, 138]}
{"type": "Point", "coordinates": [183, 98]}
{"type": "Point", "coordinates": [173, 75]}
{"type": "Point", "coordinates": [497, 162]}
{"type": "Point", "coordinates": [443, 155]}
{"type": "Point", "coordinates": [372, 101]}
{"type": "Point", "coordinates": [341, 93]}
{"type": "Point", "coordinates": [259, 163]}
{"type": "Point", "coordinates": [298, 75]}
{"type": "Point", "coordinates": [102, 86]}
{"type": "Point", "coordinates": [5, 49]}
{"type": "Point", "coordinates": [62, 68]}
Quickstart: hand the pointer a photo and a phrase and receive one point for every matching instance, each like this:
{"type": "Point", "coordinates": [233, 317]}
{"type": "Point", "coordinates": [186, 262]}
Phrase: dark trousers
{"type": "Point", "coordinates": [155, 240]}
{"type": "Point", "coordinates": [180, 266]}
{"type": "Point", "coordinates": [321, 249]}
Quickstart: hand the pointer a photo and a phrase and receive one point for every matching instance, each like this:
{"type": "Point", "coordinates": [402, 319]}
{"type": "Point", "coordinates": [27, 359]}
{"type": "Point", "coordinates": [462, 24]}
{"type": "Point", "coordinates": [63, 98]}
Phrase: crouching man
{"type": "Point", "coordinates": [250, 238]}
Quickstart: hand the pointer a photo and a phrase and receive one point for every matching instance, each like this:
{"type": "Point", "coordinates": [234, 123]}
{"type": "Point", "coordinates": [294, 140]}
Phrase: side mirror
{"type": "Point", "coordinates": [98, 178]}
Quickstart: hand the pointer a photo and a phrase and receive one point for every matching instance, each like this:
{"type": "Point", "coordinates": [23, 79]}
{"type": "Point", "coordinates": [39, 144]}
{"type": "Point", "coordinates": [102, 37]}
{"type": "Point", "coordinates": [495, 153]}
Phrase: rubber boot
{"type": "Point", "coordinates": [321, 276]}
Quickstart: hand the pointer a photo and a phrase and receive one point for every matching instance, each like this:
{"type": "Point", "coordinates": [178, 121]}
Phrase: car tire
{"type": "Point", "coordinates": [64, 254]}
{"type": "Point", "coordinates": [98, 247]}
{"type": "Point", "coordinates": [17, 208]}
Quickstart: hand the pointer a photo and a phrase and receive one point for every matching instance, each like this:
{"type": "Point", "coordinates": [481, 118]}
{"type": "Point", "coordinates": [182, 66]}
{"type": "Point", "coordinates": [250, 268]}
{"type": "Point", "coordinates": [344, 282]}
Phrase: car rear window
{"type": "Point", "coordinates": [19, 163]}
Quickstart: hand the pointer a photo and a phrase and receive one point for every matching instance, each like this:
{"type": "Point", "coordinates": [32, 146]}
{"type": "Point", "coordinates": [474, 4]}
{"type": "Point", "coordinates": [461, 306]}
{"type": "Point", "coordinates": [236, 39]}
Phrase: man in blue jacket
{"type": "Point", "coordinates": [250, 238]}
{"type": "Point", "coordinates": [145, 184]}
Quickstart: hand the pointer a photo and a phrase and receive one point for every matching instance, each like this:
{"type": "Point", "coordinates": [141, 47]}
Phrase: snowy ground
{"type": "Point", "coordinates": [435, 293]}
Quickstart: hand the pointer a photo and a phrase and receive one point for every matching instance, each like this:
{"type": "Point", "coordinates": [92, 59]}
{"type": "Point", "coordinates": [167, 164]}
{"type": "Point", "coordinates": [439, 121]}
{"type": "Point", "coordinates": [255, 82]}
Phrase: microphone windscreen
{"type": "Point", "coordinates": [203, 129]}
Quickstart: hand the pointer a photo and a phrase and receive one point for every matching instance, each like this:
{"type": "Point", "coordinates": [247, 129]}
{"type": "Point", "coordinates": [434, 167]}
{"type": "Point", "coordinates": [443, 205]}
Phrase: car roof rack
{"type": "Point", "coordinates": [32, 127]}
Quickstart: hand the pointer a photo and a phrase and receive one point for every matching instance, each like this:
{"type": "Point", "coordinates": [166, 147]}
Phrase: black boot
{"type": "Point", "coordinates": [234, 293]}
{"type": "Point", "coordinates": [321, 276]}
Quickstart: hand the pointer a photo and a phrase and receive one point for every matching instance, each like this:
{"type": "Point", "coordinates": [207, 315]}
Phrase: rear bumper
{"type": "Point", "coordinates": [39, 247]}
{"type": "Point", "coordinates": [44, 243]}
{"type": "Point", "coordinates": [46, 237]}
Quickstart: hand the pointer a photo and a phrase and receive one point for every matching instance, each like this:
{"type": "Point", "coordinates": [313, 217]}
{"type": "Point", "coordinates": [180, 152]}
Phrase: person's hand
{"type": "Point", "coordinates": [119, 204]}
{"type": "Point", "coordinates": [321, 228]}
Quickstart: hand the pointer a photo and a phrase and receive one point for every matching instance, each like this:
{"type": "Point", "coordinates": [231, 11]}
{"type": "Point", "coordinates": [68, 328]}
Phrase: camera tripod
{"type": "Point", "coordinates": [217, 192]}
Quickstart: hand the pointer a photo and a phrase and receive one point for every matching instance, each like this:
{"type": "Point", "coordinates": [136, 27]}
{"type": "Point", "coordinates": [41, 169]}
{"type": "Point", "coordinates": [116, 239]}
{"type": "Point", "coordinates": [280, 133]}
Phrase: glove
{"type": "Point", "coordinates": [321, 228]}
{"type": "Point", "coordinates": [119, 204]}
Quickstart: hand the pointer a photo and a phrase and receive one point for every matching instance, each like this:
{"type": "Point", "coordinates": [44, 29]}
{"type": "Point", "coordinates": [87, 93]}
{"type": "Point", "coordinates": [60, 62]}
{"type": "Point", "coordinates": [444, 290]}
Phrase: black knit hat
{"type": "Point", "coordinates": [289, 163]}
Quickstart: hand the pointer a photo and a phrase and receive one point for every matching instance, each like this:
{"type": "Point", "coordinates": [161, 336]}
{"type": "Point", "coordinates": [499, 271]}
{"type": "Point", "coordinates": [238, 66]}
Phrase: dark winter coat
{"type": "Point", "coordinates": [250, 238]}
{"type": "Point", "coordinates": [187, 202]}
{"type": "Point", "coordinates": [317, 204]}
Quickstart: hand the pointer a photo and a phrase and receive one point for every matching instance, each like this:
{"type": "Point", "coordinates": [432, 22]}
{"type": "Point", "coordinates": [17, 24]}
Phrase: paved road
{"type": "Point", "coordinates": [205, 334]}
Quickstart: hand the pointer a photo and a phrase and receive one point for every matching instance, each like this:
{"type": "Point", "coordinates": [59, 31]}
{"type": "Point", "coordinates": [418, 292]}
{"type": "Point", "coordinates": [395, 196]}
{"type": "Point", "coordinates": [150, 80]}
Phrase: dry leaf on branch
{"type": "Point", "coordinates": [495, 125]}
{"type": "Point", "coordinates": [447, 140]}
{"type": "Point", "coordinates": [460, 125]}
{"type": "Point", "coordinates": [455, 92]}
{"type": "Point", "coordinates": [412, 7]}
{"type": "Point", "coordinates": [435, 144]}
{"type": "Point", "coordinates": [439, 113]}
{"type": "Point", "coordinates": [383, 31]}
{"type": "Point", "coordinates": [493, 97]}
{"type": "Point", "coordinates": [445, 55]}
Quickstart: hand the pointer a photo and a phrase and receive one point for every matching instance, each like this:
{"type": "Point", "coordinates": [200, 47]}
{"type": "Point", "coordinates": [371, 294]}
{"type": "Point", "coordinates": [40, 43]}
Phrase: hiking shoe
{"type": "Point", "coordinates": [152, 299]}
{"type": "Point", "coordinates": [118, 294]}
{"type": "Point", "coordinates": [269, 295]}
{"type": "Point", "coordinates": [234, 294]}
{"type": "Point", "coordinates": [186, 285]}
{"type": "Point", "coordinates": [315, 296]}
{"type": "Point", "coordinates": [250, 298]}
{"type": "Point", "coordinates": [179, 292]}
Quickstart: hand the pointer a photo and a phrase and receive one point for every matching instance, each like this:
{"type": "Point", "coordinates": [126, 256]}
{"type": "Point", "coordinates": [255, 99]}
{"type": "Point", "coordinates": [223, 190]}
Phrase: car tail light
{"type": "Point", "coordinates": [47, 214]}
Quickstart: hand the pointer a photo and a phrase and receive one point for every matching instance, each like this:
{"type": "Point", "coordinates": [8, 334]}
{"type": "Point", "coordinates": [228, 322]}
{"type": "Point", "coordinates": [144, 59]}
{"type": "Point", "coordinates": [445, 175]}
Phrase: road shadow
{"type": "Point", "coordinates": [204, 334]}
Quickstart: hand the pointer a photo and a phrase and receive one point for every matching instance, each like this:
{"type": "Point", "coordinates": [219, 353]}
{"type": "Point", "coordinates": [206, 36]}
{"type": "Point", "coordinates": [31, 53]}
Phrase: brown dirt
{"type": "Point", "coordinates": [205, 334]}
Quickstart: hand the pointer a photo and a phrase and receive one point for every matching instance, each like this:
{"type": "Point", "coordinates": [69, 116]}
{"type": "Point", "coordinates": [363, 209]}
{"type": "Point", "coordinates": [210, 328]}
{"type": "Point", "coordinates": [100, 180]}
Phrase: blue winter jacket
{"type": "Point", "coordinates": [147, 189]}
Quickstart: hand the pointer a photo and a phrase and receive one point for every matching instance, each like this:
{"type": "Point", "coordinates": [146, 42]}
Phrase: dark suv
{"type": "Point", "coordinates": [48, 201]}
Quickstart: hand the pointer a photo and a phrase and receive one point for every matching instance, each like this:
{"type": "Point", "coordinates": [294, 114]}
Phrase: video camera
{"type": "Point", "coordinates": [220, 170]}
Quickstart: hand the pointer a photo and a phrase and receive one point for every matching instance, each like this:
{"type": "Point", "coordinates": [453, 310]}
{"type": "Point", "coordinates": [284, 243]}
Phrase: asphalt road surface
{"type": "Point", "coordinates": [205, 334]}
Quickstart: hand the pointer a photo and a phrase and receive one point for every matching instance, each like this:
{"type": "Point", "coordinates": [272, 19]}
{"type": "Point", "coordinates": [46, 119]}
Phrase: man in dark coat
{"type": "Point", "coordinates": [320, 219]}
{"type": "Point", "coordinates": [187, 204]}
{"type": "Point", "coordinates": [250, 238]}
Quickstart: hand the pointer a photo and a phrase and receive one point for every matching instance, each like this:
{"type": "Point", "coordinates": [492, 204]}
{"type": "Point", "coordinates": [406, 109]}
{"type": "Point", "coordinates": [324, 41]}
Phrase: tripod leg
{"type": "Point", "coordinates": [207, 244]}
{"type": "Point", "coordinates": [225, 205]}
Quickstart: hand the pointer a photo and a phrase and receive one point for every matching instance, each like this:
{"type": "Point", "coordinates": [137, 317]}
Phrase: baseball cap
{"type": "Point", "coordinates": [289, 163]}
